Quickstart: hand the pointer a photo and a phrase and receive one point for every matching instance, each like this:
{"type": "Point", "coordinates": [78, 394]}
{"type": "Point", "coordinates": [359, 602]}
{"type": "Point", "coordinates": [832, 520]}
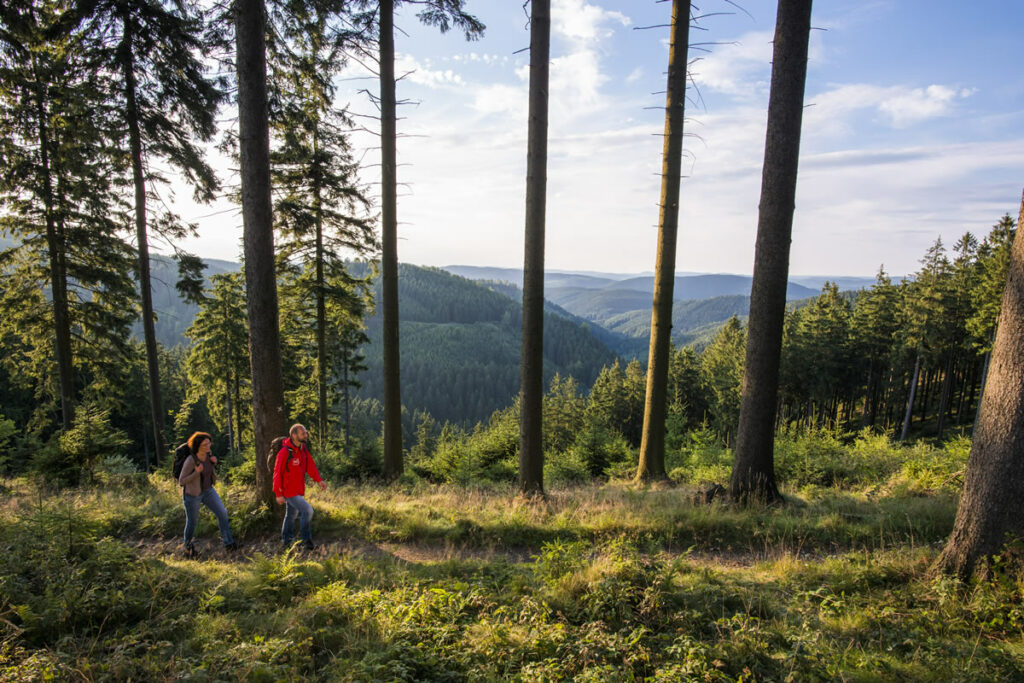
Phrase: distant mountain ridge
{"type": "Point", "coordinates": [620, 303]}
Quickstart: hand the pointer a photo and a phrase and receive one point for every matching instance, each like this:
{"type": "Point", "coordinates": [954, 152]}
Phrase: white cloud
{"type": "Point", "coordinates": [581, 23]}
{"type": "Point", "coordinates": [907, 107]}
{"type": "Point", "coordinates": [423, 74]}
{"type": "Point", "coordinates": [741, 68]}
{"type": "Point", "coordinates": [899, 106]}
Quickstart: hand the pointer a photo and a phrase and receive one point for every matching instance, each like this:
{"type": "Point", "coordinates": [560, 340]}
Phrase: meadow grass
{"type": "Point", "coordinates": [423, 582]}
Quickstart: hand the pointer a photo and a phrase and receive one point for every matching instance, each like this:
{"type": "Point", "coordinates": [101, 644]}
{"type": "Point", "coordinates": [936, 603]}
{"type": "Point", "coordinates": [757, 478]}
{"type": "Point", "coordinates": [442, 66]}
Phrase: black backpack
{"type": "Point", "coordinates": [275, 446]}
{"type": "Point", "coordinates": [180, 454]}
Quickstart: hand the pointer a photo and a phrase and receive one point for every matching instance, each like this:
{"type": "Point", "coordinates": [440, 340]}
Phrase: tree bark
{"type": "Point", "coordinates": [269, 419]}
{"type": "Point", "coordinates": [989, 513]}
{"type": "Point", "coordinates": [652, 444]}
{"type": "Point", "coordinates": [389, 247]}
{"type": "Point", "coordinates": [753, 472]}
{"type": "Point", "coordinates": [531, 446]}
{"type": "Point", "coordinates": [141, 233]}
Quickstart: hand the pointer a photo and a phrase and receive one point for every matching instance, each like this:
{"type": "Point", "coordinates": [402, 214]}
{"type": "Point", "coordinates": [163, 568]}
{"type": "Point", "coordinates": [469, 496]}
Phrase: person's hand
{"type": "Point", "coordinates": [280, 500]}
{"type": "Point", "coordinates": [323, 486]}
{"type": "Point", "coordinates": [199, 467]}
{"type": "Point", "coordinates": [213, 459]}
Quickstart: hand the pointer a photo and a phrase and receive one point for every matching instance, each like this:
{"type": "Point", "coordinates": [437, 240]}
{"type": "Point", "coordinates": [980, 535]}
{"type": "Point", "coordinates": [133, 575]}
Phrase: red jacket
{"type": "Point", "coordinates": [290, 469]}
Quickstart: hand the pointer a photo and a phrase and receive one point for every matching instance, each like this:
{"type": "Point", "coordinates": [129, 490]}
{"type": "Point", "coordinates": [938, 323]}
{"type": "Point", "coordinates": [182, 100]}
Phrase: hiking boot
{"type": "Point", "coordinates": [231, 546]}
{"type": "Point", "coordinates": [191, 552]}
{"type": "Point", "coordinates": [309, 546]}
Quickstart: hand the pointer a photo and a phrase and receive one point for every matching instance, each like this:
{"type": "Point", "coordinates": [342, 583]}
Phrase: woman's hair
{"type": "Point", "coordinates": [196, 440]}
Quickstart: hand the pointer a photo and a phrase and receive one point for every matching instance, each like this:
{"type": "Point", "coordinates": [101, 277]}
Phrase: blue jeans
{"type": "Point", "coordinates": [297, 505]}
{"type": "Point", "coordinates": [210, 499]}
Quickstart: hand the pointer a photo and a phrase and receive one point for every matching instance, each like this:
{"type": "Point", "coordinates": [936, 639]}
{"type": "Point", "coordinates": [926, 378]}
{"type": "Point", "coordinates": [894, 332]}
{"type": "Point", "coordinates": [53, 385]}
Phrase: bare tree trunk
{"type": "Point", "coordinates": [753, 471]}
{"type": "Point", "coordinates": [989, 513]}
{"type": "Point", "coordinates": [531, 436]}
{"type": "Point", "coordinates": [389, 247]}
{"type": "Point", "coordinates": [269, 419]}
{"type": "Point", "coordinates": [145, 285]}
{"type": "Point", "coordinates": [910, 398]}
{"type": "Point", "coordinates": [652, 444]}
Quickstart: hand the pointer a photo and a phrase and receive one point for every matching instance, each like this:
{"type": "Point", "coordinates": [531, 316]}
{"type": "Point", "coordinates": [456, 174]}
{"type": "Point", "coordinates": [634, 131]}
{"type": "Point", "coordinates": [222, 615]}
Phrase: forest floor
{"type": "Point", "coordinates": [599, 582]}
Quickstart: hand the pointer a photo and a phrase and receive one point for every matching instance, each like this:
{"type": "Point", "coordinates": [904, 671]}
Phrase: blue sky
{"type": "Point", "coordinates": [914, 130]}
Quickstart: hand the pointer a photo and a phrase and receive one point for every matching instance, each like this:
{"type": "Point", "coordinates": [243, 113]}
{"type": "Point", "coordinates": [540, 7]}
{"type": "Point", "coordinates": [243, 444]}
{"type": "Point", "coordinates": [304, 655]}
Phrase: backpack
{"type": "Point", "coordinates": [180, 454]}
{"type": "Point", "coordinates": [275, 446]}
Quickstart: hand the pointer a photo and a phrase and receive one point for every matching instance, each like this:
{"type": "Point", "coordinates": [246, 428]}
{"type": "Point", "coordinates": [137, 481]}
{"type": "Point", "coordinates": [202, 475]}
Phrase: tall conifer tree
{"type": "Point", "coordinates": [753, 471]}
{"type": "Point", "coordinates": [269, 419]}
{"type": "Point", "coordinates": [168, 104]}
{"type": "Point", "coordinates": [531, 392]}
{"type": "Point", "coordinates": [444, 14]}
{"type": "Point", "coordinates": [62, 198]}
{"type": "Point", "coordinates": [988, 516]}
{"type": "Point", "coordinates": [652, 448]}
{"type": "Point", "coordinates": [321, 210]}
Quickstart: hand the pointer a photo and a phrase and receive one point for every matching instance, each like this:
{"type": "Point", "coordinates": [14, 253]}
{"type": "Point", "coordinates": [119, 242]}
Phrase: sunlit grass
{"type": "Point", "coordinates": [421, 581]}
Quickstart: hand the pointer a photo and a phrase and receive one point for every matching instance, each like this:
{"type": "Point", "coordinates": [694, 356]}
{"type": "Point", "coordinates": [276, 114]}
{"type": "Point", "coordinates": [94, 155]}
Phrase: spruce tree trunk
{"type": "Point", "coordinates": [389, 247]}
{"type": "Point", "coordinates": [910, 398]}
{"type": "Point", "coordinates": [238, 412]}
{"type": "Point", "coordinates": [145, 285]}
{"type": "Point", "coordinates": [231, 413]}
{"type": "Point", "coordinates": [652, 444]}
{"type": "Point", "coordinates": [58, 268]}
{"type": "Point", "coordinates": [348, 408]}
{"type": "Point", "coordinates": [321, 320]}
{"type": "Point", "coordinates": [865, 417]}
{"type": "Point", "coordinates": [989, 513]}
{"type": "Point", "coordinates": [531, 438]}
{"type": "Point", "coordinates": [753, 472]}
{"type": "Point", "coordinates": [269, 418]}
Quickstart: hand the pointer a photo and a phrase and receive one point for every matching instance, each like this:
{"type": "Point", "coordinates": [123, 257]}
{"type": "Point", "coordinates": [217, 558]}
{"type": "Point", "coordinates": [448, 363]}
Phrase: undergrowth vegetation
{"type": "Point", "coordinates": [467, 582]}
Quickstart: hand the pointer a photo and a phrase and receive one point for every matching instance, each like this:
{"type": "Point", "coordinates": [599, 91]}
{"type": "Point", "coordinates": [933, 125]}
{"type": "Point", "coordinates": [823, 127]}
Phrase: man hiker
{"type": "Point", "coordinates": [293, 463]}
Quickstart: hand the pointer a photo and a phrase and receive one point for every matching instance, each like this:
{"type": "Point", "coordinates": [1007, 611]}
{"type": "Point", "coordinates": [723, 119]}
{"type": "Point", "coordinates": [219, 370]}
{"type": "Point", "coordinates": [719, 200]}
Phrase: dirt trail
{"type": "Point", "coordinates": [414, 553]}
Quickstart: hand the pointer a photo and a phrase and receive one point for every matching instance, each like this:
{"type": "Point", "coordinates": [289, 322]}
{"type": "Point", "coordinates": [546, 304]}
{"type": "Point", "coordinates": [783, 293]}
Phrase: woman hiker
{"type": "Point", "coordinates": [197, 479]}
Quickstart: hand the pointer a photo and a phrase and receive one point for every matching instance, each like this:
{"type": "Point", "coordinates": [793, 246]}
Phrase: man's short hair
{"type": "Point", "coordinates": [295, 428]}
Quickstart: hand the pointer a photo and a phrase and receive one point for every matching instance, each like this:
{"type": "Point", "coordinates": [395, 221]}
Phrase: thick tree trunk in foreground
{"type": "Point", "coordinates": [269, 419]}
{"type": "Point", "coordinates": [389, 247]}
{"type": "Point", "coordinates": [753, 470]}
{"type": "Point", "coordinates": [531, 436]}
{"type": "Point", "coordinates": [652, 445]}
{"type": "Point", "coordinates": [989, 513]}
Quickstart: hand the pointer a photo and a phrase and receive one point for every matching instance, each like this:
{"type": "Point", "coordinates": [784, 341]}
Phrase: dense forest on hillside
{"type": "Point", "coordinates": [460, 343]}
